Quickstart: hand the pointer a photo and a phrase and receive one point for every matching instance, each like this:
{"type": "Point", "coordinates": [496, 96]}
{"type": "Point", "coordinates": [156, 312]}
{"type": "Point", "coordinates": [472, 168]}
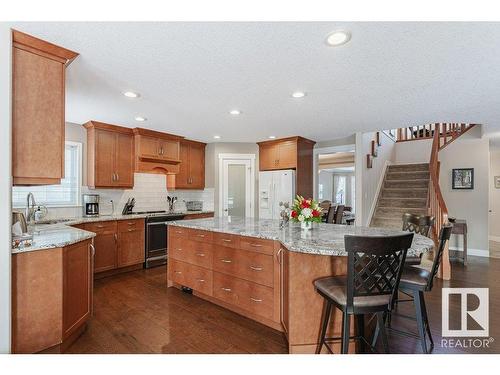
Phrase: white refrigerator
{"type": "Point", "coordinates": [275, 187]}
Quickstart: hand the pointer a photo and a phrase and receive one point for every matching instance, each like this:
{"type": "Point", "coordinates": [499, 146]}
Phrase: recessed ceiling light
{"type": "Point", "coordinates": [131, 94]}
{"type": "Point", "coordinates": [235, 112]}
{"type": "Point", "coordinates": [338, 37]}
{"type": "Point", "coordinates": [272, 137]}
{"type": "Point", "coordinates": [216, 136]}
{"type": "Point", "coordinates": [140, 118]}
{"type": "Point", "coordinates": [298, 94]}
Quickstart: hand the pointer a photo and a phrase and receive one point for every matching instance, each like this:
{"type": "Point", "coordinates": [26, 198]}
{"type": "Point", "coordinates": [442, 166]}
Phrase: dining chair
{"type": "Point", "coordinates": [339, 214]}
{"type": "Point", "coordinates": [374, 267]}
{"type": "Point", "coordinates": [331, 215]}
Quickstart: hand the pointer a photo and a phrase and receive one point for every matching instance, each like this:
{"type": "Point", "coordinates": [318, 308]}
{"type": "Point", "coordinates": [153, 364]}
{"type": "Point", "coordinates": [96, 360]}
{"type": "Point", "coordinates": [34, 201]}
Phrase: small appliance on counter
{"type": "Point", "coordinates": [90, 205]}
{"type": "Point", "coordinates": [194, 205]}
{"type": "Point", "coordinates": [129, 206]}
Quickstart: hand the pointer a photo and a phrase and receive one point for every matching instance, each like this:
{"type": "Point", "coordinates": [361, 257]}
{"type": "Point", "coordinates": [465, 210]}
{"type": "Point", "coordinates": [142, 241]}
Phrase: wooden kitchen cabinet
{"type": "Point", "coordinates": [38, 103]}
{"type": "Point", "coordinates": [105, 244]}
{"type": "Point", "coordinates": [156, 152]}
{"type": "Point", "coordinates": [130, 242]}
{"type": "Point", "coordinates": [192, 167]}
{"type": "Point", "coordinates": [290, 153]}
{"type": "Point", "coordinates": [110, 156]}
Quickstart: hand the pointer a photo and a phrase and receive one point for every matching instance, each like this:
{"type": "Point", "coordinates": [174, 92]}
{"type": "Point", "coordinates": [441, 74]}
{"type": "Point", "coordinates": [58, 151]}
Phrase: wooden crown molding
{"type": "Point", "coordinates": [103, 126]}
{"type": "Point", "coordinates": [296, 139]}
{"type": "Point", "coordinates": [33, 44]}
{"type": "Point", "coordinates": [189, 141]}
{"type": "Point", "coordinates": [156, 134]}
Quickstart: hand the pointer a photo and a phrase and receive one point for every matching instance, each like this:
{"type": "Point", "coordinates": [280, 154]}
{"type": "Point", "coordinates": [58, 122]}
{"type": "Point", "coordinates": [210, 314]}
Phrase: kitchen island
{"type": "Point", "coordinates": [265, 273]}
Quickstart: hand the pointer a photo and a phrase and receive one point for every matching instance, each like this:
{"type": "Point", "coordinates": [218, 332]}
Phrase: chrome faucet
{"type": "Point", "coordinates": [30, 212]}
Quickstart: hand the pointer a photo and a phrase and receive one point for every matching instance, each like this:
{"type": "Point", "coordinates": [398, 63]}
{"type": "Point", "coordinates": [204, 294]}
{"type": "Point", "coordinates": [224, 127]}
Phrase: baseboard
{"type": "Point", "coordinates": [475, 252]}
{"type": "Point", "coordinates": [494, 238]}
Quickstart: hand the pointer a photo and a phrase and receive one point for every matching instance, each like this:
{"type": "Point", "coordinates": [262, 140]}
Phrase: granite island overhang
{"type": "Point", "coordinates": [256, 269]}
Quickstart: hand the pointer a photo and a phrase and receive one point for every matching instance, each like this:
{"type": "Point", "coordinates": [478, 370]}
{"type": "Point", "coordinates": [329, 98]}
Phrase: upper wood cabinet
{"type": "Point", "coordinates": [290, 153]}
{"type": "Point", "coordinates": [110, 156]}
{"type": "Point", "coordinates": [156, 152]}
{"type": "Point", "coordinates": [192, 167]}
{"type": "Point", "coordinates": [38, 101]}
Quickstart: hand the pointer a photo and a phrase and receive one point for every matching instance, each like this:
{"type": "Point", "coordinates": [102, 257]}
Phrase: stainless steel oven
{"type": "Point", "coordinates": [156, 238]}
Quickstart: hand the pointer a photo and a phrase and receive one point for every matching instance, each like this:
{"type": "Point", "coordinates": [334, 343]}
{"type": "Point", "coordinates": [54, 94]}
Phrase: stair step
{"type": "Point", "coordinates": [382, 222]}
{"type": "Point", "coordinates": [408, 184]}
{"type": "Point", "coordinates": [403, 202]}
{"type": "Point", "coordinates": [397, 212]}
{"type": "Point", "coordinates": [407, 175]}
{"type": "Point", "coordinates": [409, 167]}
{"type": "Point", "coordinates": [404, 193]}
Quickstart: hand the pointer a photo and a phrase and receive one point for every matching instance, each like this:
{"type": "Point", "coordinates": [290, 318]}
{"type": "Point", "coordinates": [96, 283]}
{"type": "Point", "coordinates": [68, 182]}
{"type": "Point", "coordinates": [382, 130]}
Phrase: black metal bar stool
{"type": "Point", "coordinates": [374, 267]}
{"type": "Point", "coordinates": [414, 282]}
{"type": "Point", "coordinates": [417, 224]}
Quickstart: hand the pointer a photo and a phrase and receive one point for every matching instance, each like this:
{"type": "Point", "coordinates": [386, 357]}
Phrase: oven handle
{"type": "Point", "coordinates": [159, 223]}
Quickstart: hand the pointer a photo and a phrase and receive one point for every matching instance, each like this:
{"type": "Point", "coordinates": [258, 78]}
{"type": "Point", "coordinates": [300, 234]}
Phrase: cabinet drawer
{"type": "Point", "coordinates": [194, 277]}
{"type": "Point", "coordinates": [257, 244]}
{"type": "Point", "coordinates": [174, 231]}
{"type": "Point", "coordinates": [249, 296]}
{"type": "Point", "coordinates": [101, 226]}
{"type": "Point", "coordinates": [200, 235]}
{"type": "Point", "coordinates": [193, 252]}
{"type": "Point", "coordinates": [123, 225]}
{"type": "Point", "coordinates": [226, 240]}
{"type": "Point", "coordinates": [244, 264]}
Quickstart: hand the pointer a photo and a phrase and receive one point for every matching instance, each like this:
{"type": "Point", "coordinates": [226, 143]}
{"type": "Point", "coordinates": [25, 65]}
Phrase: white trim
{"type": "Point", "coordinates": [359, 169]}
{"type": "Point", "coordinates": [328, 150]}
{"type": "Point", "coordinates": [475, 252]}
{"type": "Point", "coordinates": [494, 238]}
{"type": "Point", "coordinates": [377, 192]}
{"type": "Point", "coordinates": [251, 158]}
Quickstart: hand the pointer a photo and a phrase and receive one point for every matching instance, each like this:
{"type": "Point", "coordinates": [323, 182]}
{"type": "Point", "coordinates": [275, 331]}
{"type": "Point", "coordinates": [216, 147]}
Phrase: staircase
{"type": "Point", "coordinates": [405, 189]}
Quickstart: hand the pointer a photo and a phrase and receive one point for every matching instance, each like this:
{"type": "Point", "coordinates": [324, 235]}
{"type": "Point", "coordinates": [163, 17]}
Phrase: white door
{"type": "Point", "coordinates": [237, 188]}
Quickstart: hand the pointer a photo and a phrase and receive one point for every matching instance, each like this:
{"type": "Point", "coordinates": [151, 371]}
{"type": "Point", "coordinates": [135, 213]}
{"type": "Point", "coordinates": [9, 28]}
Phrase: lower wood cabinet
{"type": "Point", "coordinates": [105, 244]}
{"type": "Point", "coordinates": [130, 242]}
{"type": "Point", "coordinates": [240, 273]}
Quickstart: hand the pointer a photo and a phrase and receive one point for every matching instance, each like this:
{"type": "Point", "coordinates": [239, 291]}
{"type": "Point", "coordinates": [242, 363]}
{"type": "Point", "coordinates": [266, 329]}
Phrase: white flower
{"type": "Point", "coordinates": [301, 218]}
{"type": "Point", "coordinates": [307, 212]}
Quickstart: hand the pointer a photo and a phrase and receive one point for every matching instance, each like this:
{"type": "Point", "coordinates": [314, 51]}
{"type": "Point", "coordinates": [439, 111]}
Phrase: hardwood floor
{"type": "Point", "coordinates": [136, 313]}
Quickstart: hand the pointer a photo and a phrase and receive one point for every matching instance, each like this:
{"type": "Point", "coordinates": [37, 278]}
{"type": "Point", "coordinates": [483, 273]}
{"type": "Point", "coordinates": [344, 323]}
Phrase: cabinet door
{"type": "Point", "coordinates": [124, 160]}
{"type": "Point", "coordinates": [197, 166]}
{"type": "Point", "coordinates": [77, 286]}
{"type": "Point", "coordinates": [37, 119]}
{"type": "Point", "coordinates": [169, 149]}
{"type": "Point", "coordinates": [149, 147]}
{"type": "Point", "coordinates": [104, 158]}
{"type": "Point", "coordinates": [130, 247]}
{"type": "Point", "coordinates": [105, 251]}
{"type": "Point", "coordinates": [182, 178]}
{"type": "Point", "coordinates": [268, 157]}
{"type": "Point", "coordinates": [287, 155]}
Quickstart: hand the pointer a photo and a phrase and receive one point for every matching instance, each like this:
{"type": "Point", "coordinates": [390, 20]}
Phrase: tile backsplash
{"type": "Point", "coordinates": [149, 191]}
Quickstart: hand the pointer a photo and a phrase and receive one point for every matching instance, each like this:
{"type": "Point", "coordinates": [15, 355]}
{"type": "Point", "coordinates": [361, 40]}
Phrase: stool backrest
{"type": "Point", "coordinates": [418, 223]}
{"type": "Point", "coordinates": [444, 236]}
{"type": "Point", "coordinates": [339, 214]}
{"type": "Point", "coordinates": [374, 265]}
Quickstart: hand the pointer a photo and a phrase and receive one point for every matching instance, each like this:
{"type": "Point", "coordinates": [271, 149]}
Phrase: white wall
{"type": "Point", "coordinates": [468, 151]}
{"type": "Point", "coordinates": [367, 179]}
{"type": "Point", "coordinates": [5, 186]}
{"type": "Point", "coordinates": [325, 178]}
{"type": "Point", "coordinates": [494, 230]}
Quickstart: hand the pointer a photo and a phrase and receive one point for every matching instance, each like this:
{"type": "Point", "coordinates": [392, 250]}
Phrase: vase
{"type": "Point", "coordinates": [306, 225]}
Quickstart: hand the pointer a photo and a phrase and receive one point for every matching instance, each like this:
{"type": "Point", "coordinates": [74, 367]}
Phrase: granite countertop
{"type": "Point", "coordinates": [323, 239]}
{"type": "Point", "coordinates": [50, 236]}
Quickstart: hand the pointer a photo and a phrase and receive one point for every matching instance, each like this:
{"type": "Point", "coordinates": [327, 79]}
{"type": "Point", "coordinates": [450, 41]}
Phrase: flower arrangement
{"type": "Point", "coordinates": [305, 210]}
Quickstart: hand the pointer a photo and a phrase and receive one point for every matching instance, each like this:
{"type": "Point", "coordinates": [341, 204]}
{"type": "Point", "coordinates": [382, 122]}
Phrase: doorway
{"type": "Point", "coordinates": [236, 185]}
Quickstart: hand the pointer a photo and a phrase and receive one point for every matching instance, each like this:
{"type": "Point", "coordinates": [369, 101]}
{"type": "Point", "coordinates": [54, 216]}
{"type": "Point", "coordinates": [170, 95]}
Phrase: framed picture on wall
{"type": "Point", "coordinates": [497, 182]}
{"type": "Point", "coordinates": [462, 178]}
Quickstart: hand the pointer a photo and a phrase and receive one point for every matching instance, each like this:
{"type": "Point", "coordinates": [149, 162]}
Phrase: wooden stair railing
{"type": "Point", "coordinates": [435, 202]}
{"type": "Point", "coordinates": [448, 132]}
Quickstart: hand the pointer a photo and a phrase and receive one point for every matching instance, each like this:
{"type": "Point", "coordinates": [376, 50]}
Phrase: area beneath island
{"type": "Point", "coordinates": [265, 273]}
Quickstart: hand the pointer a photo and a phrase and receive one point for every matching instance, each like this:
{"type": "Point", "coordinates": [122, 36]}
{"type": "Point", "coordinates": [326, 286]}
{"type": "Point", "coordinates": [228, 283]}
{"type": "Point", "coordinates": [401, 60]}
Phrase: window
{"type": "Point", "coordinates": [65, 194]}
{"type": "Point", "coordinates": [320, 192]}
{"type": "Point", "coordinates": [340, 189]}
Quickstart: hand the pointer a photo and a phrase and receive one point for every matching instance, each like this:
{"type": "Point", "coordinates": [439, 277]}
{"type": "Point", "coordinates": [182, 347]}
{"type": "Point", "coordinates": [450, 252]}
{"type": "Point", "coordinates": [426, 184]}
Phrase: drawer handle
{"type": "Point", "coordinates": [200, 254]}
{"type": "Point", "coordinates": [226, 240]}
{"type": "Point", "coordinates": [255, 245]}
{"type": "Point", "coordinates": [131, 230]}
{"type": "Point", "coordinates": [201, 280]}
{"type": "Point", "coordinates": [200, 235]}
{"type": "Point", "coordinates": [178, 272]}
{"type": "Point", "coordinates": [226, 261]}
{"type": "Point", "coordinates": [256, 300]}
{"type": "Point", "coordinates": [179, 249]}
{"type": "Point", "coordinates": [130, 223]}
{"type": "Point", "coordinates": [178, 231]}
{"type": "Point", "coordinates": [256, 268]}
{"type": "Point", "coordinates": [100, 226]}
{"type": "Point", "coordinates": [226, 289]}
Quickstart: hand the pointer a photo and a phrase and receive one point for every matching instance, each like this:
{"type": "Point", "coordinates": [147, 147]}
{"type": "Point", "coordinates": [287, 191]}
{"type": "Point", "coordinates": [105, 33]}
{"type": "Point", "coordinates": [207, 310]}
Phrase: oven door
{"type": "Point", "coordinates": [156, 240]}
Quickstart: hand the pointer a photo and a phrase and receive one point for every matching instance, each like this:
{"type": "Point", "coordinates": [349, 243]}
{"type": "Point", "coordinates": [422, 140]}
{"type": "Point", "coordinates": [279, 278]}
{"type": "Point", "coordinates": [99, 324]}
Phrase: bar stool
{"type": "Point", "coordinates": [374, 267]}
{"type": "Point", "coordinates": [417, 224]}
{"type": "Point", "coordinates": [414, 282]}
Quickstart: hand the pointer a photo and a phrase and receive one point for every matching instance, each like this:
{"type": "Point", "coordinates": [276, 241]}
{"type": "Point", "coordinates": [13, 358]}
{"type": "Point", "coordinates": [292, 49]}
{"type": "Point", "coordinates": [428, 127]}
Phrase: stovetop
{"type": "Point", "coordinates": [156, 213]}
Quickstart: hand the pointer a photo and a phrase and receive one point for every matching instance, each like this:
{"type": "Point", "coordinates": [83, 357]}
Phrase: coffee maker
{"type": "Point", "coordinates": [90, 205]}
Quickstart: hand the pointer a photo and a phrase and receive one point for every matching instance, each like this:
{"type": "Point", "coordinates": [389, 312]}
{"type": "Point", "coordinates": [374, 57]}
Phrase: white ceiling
{"type": "Point", "coordinates": [191, 74]}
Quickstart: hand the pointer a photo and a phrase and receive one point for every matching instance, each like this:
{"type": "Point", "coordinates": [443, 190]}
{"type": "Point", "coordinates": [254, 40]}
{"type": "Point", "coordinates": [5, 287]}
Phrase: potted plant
{"type": "Point", "coordinates": [305, 212]}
